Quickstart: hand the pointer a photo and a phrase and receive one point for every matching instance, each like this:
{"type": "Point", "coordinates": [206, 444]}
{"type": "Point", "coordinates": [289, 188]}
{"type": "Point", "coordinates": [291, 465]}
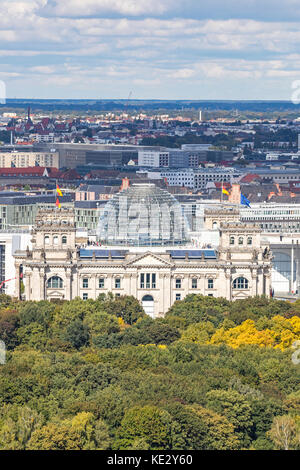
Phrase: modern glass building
{"type": "Point", "coordinates": [143, 215]}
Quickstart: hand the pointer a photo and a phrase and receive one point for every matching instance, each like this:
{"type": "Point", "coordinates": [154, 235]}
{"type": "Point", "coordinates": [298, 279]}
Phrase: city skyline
{"type": "Point", "coordinates": [103, 49]}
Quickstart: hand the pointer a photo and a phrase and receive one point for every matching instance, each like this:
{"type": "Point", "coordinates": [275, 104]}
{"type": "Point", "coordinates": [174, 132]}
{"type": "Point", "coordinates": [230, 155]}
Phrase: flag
{"type": "Point", "coordinates": [245, 201]}
{"type": "Point", "coordinates": [224, 191]}
{"type": "Point", "coordinates": [58, 190]}
{"type": "Point", "coordinates": [58, 204]}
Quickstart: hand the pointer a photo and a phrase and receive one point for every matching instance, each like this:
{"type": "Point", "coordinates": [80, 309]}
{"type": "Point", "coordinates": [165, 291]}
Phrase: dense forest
{"type": "Point", "coordinates": [101, 374]}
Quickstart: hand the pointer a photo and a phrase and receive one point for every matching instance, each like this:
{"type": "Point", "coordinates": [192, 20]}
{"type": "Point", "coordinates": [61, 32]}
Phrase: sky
{"type": "Point", "coordinates": [155, 49]}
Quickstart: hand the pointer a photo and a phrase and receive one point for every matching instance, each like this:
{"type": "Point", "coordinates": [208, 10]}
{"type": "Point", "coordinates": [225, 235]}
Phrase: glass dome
{"type": "Point", "coordinates": [143, 215]}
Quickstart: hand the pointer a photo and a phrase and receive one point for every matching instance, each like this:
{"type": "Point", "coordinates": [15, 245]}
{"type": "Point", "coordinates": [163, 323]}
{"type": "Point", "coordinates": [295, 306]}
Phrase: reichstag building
{"type": "Point", "coordinates": [143, 249]}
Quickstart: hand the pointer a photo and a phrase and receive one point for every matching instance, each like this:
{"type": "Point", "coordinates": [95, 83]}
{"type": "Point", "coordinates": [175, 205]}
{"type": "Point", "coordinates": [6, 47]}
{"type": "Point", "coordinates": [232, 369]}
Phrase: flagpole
{"type": "Point", "coordinates": [222, 193]}
{"type": "Point", "coordinates": [55, 195]}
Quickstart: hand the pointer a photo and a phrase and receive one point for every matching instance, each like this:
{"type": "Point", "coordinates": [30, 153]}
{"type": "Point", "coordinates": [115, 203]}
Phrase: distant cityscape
{"type": "Point", "coordinates": [206, 164]}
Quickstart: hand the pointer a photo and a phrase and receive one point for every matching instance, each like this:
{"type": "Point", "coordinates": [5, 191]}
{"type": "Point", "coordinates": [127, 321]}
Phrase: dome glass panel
{"type": "Point", "coordinates": [143, 215]}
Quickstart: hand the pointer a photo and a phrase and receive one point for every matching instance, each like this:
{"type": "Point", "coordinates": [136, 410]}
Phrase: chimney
{"type": "Point", "coordinates": [235, 194]}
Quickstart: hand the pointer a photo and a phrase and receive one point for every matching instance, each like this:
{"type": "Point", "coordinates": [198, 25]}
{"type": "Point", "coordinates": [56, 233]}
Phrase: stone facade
{"type": "Point", "coordinates": [213, 218]}
{"type": "Point", "coordinates": [58, 268]}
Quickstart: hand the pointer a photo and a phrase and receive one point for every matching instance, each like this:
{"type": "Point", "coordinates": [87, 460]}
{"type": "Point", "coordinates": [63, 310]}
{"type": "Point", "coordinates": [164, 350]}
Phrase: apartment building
{"type": "Point", "coordinates": [29, 159]}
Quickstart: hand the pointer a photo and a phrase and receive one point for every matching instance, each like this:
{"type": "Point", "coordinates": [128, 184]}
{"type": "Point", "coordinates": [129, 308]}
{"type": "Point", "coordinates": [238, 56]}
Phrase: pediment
{"type": "Point", "coordinates": [149, 259]}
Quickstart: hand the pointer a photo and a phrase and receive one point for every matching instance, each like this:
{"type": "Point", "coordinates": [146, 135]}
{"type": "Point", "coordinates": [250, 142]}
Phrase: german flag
{"type": "Point", "coordinates": [224, 191]}
{"type": "Point", "coordinates": [58, 190]}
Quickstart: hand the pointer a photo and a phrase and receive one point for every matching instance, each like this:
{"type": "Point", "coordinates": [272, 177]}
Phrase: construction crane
{"type": "Point", "coordinates": [8, 280]}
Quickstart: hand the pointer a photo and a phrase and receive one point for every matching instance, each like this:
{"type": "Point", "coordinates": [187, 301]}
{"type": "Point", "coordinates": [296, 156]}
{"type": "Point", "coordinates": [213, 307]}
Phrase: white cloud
{"type": "Point", "coordinates": [113, 41]}
{"type": "Point", "coordinates": [104, 7]}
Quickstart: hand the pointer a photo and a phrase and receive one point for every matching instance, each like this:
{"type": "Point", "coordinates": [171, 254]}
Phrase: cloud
{"type": "Point", "coordinates": [164, 44]}
{"type": "Point", "coordinates": [79, 8]}
{"type": "Point", "coordinates": [268, 10]}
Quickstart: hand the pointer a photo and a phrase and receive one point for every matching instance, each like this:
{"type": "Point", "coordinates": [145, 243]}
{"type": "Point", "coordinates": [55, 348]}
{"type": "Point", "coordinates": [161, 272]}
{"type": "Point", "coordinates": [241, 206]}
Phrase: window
{"type": "Point", "coordinates": [85, 296]}
{"type": "Point", "coordinates": [117, 283]}
{"type": "Point", "coordinates": [55, 282]}
{"type": "Point", "coordinates": [194, 283]}
{"type": "Point", "coordinates": [85, 283]}
{"type": "Point", "coordinates": [64, 239]}
{"type": "Point", "coordinates": [55, 240]}
{"type": "Point", "coordinates": [178, 296]}
{"type": "Point", "coordinates": [231, 241]}
{"type": "Point", "coordinates": [241, 241]}
{"type": "Point", "coordinates": [47, 240]}
{"type": "Point", "coordinates": [178, 283]}
{"type": "Point", "coordinates": [249, 241]}
{"type": "Point", "coordinates": [210, 283]}
{"type": "Point", "coordinates": [240, 283]}
{"type": "Point", "coordinates": [148, 280]}
{"type": "Point", "coordinates": [101, 283]}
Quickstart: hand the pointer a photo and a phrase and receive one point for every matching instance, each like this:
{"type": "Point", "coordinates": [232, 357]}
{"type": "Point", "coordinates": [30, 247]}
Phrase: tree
{"type": "Point", "coordinates": [220, 433]}
{"type": "Point", "coordinates": [197, 308]}
{"type": "Point", "coordinates": [188, 429]}
{"type": "Point", "coordinates": [198, 333]}
{"type": "Point", "coordinates": [284, 433]}
{"type": "Point", "coordinates": [93, 434]}
{"type": "Point", "coordinates": [77, 333]}
{"type": "Point", "coordinates": [126, 306]}
{"type": "Point", "coordinates": [38, 312]}
{"type": "Point", "coordinates": [149, 423]}
{"type": "Point", "coordinates": [9, 323]}
{"type": "Point", "coordinates": [55, 436]}
{"type": "Point", "coordinates": [17, 424]}
{"type": "Point", "coordinates": [235, 408]}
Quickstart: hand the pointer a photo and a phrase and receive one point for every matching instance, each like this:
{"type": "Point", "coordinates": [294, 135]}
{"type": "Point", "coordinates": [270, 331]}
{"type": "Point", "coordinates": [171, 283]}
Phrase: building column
{"type": "Point", "coordinates": [228, 283]}
{"type": "Point", "coordinates": [28, 286]}
{"type": "Point", "coordinates": [267, 276]}
{"type": "Point", "coordinates": [68, 286]}
{"type": "Point", "coordinates": [254, 282]}
{"type": "Point", "coordinates": [17, 283]}
{"type": "Point", "coordinates": [42, 285]}
{"type": "Point", "coordinates": [292, 268]}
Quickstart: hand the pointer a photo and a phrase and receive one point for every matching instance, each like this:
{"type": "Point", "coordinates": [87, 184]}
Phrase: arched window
{"type": "Point", "coordinates": [231, 241]}
{"type": "Point", "coordinates": [241, 241]}
{"type": "Point", "coordinates": [55, 282]}
{"type": "Point", "coordinates": [249, 241]}
{"type": "Point", "coordinates": [55, 240]}
{"type": "Point", "coordinates": [240, 283]}
{"type": "Point", "coordinates": [215, 225]}
{"type": "Point", "coordinates": [47, 240]}
{"type": "Point", "coordinates": [64, 239]}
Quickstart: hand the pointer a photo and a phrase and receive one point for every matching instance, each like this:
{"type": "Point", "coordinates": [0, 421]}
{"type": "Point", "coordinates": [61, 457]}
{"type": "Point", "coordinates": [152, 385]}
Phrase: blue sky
{"type": "Point", "coordinates": [166, 49]}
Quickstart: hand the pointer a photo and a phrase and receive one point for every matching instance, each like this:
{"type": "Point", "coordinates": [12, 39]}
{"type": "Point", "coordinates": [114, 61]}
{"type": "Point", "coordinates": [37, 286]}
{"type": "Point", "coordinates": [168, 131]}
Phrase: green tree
{"type": "Point", "coordinates": [126, 307]}
{"type": "Point", "coordinates": [235, 408]}
{"type": "Point", "coordinates": [17, 425]}
{"type": "Point", "coordinates": [77, 333]}
{"type": "Point", "coordinates": [220, 433]}
{"type": "Point", "coordinates": [9, 323]}
{"type": "Point", "coordinates": [149, 423]}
